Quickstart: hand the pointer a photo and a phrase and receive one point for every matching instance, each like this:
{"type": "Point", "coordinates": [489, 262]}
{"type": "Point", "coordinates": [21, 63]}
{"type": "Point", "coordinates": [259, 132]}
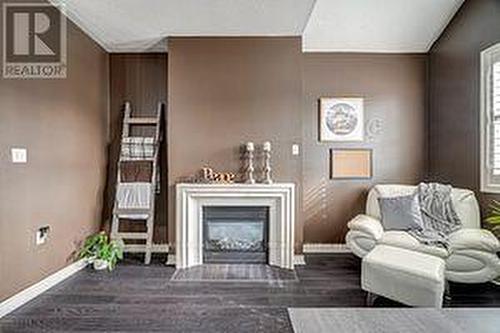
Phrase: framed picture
{"type": "Point", "coordinates": [341, 119]}
{"type": "Point", "coordinates": [351, 163]}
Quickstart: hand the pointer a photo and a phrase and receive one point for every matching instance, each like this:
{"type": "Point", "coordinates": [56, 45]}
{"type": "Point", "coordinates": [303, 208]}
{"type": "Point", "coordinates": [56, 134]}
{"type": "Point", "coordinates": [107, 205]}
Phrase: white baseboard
{"type": "Point", "coordinates": [26, 295]}
{"type": "Point", "coordinates": [299, 260]}
{"type": "Point", "coordinates": [325, 248]}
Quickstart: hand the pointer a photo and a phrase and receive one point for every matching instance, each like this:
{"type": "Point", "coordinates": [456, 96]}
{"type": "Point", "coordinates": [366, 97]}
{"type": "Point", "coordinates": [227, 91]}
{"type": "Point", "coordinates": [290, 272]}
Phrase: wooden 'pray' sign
{"type": "Point", "coordinates": [209, 175]}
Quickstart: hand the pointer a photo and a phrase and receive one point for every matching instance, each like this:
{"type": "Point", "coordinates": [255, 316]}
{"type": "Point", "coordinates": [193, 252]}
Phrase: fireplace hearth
{"type": "Point", "coordinates": [235, 234]}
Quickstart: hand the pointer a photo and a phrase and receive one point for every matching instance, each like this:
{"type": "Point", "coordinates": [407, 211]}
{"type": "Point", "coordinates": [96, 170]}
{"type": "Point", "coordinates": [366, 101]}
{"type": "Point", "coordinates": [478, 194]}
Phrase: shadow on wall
{"type": "Point", "coordinates": [315, 201]}
{"type": "Point", "coordinates": [328, 209]}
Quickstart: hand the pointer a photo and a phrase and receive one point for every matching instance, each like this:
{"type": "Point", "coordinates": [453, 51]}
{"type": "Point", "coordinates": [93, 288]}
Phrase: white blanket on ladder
{"type": "Point", "coordinates": [134, 196]}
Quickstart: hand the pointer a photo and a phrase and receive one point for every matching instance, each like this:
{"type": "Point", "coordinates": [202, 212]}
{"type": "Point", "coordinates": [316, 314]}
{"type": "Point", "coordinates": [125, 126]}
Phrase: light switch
{"type": "Point", "coordinates": [295, 149]}
{"type": "Point", "coordinates": [19, 155]}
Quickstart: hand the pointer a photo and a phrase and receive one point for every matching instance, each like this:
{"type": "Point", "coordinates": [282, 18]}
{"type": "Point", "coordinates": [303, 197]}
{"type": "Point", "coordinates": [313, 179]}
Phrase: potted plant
{"type": "Point", "coordinates": [493, 220]}
{"type": "Point", "coordinates": [102, 252]}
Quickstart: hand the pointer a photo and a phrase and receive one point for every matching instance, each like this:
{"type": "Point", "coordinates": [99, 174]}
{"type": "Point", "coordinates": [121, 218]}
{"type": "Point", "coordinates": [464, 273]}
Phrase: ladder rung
{"type": "Point", "coordinates": [143, 121]}
{"type": "Point", "coordinates": [132, 211]}
{"type": "Point", "coordinates": [138, 248]}
{"type": "Point", "coordinates": [134, 248]}
{"type": "Point", "coordinates": [134, 217]}
{"type": "Point", "coordinates": [131, 235]}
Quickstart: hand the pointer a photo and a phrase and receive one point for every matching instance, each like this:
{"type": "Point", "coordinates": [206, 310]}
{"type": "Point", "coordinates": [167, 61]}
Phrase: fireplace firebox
{"type": "Point", "coordinates": [235, 235]}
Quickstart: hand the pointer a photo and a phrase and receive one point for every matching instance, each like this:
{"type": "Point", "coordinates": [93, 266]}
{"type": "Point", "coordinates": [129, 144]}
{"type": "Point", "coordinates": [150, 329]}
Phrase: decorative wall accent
{"type": "Point", "coordinates": [374, 128]}
{"type": "Point", "coordinates": [350, 163]}
{"type": "Point", "coordinates": [341, 119]}
{"type": "Point", "coordinates": [208, 175]}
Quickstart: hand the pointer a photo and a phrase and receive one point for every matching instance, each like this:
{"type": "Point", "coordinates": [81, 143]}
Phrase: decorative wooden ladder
{"type": "Point", "coordinates": [136, 149]}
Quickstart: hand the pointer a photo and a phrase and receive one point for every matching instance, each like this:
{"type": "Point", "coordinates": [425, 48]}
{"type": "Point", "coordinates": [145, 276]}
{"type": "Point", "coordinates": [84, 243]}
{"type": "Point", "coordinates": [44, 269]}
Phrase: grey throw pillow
{"type": "Point", "coordinates": [401, 213]}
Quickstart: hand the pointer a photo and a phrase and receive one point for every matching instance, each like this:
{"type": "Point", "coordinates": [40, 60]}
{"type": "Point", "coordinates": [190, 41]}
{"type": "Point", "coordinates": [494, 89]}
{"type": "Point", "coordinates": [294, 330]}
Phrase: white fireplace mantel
{"type": "Point", "coordinates": [191, 198]}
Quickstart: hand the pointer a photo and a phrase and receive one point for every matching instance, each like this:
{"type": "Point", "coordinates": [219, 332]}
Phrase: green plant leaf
{"type": "Point", "coordinates": [494, 217]}
{"type": "Point", "coordinates": [493, 220]}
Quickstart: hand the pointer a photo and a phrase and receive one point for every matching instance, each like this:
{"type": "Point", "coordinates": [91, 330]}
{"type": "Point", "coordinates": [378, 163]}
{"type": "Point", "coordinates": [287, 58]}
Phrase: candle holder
{"type": "Point", "coordinates": [267, 163]}
{"type": "Point", "coordinates": [250, 168]}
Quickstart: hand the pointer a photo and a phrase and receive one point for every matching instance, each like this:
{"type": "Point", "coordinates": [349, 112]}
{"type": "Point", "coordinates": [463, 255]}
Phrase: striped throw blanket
{"type": "Point", "coordinates": [439, 216]}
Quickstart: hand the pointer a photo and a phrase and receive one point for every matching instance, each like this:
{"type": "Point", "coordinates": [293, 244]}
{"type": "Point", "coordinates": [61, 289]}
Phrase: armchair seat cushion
{"type": "Point", "coordinates": [404, 240]}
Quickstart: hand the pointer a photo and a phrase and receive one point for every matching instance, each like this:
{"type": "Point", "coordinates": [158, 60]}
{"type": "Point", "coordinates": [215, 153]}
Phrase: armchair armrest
{"type": "Point", "coordinates": [473, 239]}
{"type": "Point", "coordinates": [368, 225]}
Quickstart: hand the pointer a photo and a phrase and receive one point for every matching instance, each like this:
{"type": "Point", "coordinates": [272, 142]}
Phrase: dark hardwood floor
{"type": "Point", "coordinates": [142, 298]}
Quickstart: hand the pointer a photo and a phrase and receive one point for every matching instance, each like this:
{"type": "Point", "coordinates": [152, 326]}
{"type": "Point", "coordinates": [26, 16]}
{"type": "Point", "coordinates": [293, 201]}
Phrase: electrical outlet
{"type": "Point", "coordinates": [42, 235]}
{"type": "Point", "coordinates": [295, 149]}
{"type": "Point", "coordinates": [19, 155]}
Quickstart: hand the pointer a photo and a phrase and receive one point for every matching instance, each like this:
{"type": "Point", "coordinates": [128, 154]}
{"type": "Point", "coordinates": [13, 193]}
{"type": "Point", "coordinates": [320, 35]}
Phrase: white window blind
{"type": "Point", "coordinates": [490, 119]}
{"type": "Point", "coordinates": [495, 110]}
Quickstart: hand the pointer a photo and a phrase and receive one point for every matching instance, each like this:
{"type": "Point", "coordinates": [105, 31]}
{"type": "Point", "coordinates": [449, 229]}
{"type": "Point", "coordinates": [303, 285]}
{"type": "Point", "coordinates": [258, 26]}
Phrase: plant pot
{"type": "Point", "coordinates": [100, 264]}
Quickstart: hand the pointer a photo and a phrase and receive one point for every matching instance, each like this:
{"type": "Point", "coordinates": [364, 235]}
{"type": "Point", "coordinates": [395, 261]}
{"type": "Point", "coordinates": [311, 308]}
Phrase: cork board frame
{"type": "Point", "coordinates": [351, 163]}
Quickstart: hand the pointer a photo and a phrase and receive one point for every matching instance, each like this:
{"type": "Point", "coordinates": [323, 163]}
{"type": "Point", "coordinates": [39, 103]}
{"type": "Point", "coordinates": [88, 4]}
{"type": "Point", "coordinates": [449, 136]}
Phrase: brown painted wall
{"type": "Point", "coordinates": [140, 79]}
{"type": "Point", "coordinates": [394, 90]}
{"type": "Point", "coordinates": [63, 123]}
{"type": "Point", "coordinates": [227, 91]}
{"type": "Point", "coordinates": [454, 93]}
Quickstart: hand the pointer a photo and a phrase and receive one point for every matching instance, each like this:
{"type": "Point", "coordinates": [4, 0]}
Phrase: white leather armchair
{"type": "Point", "coordinates": [471, 256]}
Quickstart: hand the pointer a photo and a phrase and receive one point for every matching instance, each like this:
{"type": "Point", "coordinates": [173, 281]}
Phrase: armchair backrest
{"type": "Point", "coordinates": [464, 201]}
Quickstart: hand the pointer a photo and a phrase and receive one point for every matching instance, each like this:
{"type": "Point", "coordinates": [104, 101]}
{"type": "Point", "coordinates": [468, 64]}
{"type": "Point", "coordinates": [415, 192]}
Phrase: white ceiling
{"type": "Point", "coordinates": [377, 25]}
{"type": "Point", "coordinates": [326, 25]}
{"type": "Point", "coordinates": [128, 25]}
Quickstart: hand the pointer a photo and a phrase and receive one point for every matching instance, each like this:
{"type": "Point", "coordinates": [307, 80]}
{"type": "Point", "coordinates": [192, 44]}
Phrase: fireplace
{"type": "Point", "coordinates": [192, 199]}
{"type": "Point", "coordinates": [235, 234]}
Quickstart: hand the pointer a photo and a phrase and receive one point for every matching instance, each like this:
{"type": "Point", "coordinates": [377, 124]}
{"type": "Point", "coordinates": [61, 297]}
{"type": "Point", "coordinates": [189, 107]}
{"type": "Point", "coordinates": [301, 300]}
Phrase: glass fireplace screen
{"type": "Point", "coordinates": [235, 234]}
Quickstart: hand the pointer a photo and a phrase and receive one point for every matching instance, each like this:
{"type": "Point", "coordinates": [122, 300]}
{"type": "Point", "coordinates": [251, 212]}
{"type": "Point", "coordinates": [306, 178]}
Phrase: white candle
{"type": "Point", "coordinates": [250, 146]}
{"type": "Point", "coordinates": [267, 146]}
